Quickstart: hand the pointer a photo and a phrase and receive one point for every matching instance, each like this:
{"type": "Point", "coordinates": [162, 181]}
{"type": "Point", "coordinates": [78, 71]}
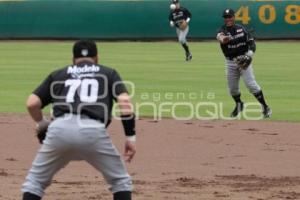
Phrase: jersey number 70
{"type": "Point", "coordinates": [87, 90]}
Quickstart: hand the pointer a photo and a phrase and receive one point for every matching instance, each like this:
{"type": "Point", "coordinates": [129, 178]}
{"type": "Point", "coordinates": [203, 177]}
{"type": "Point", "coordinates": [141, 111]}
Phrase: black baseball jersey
{"type": "Point", "coordinates": [86, 88]}
{"type": "Point", "coordinates": [241, 41]}
{"type": "Point", "coordinates": [178, 15]}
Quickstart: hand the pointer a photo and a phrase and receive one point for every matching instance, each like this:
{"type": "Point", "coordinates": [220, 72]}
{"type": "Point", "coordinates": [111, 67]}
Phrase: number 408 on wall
{"type": "Point", "coordinates": [267, 14]}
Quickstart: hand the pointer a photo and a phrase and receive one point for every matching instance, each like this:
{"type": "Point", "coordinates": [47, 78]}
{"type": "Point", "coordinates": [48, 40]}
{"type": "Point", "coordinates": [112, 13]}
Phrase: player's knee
{"type": "Point", "coordinates": [182, 40]}
{"type": "Point", "coordinates": [121, 184]}
{"type": "Point", "coordinates": [253, 87]}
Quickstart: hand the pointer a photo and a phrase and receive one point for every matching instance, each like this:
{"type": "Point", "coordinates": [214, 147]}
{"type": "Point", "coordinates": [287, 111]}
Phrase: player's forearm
{"type": "Point", "coordinates": [127, 116]}
{"type": "Point", "coordinates": [222, 38]}
{"type": "Point", "coordinates": [128, 122]}
{"type": "Point", "coordinates": [125, 105]}
{"type": "Point", "coordinates": [34, 107]}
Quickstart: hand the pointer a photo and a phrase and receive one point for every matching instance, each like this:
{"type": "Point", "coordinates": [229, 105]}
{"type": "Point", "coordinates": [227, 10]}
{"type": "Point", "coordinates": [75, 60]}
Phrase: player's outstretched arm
{"type": "Point", "coordinates": [128, 121]}
{"type": "Point", "coordinates": [222, 38]}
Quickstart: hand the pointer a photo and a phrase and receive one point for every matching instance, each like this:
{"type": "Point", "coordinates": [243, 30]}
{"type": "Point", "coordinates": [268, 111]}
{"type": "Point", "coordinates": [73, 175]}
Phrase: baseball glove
{"type": "Point", "coordinates": [41, 129]}
{"type": "Point", "coordinates": [41, 134]}
{"type": "Point", "coordinates": [182, 25]}
{"type": "Point", "coordinates": [243, 61]}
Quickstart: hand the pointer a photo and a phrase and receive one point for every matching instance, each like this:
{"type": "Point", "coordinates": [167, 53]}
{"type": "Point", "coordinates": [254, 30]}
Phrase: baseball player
{"type": "Point", "coordinates": [238, 47]}
{"type": "Point", "coordinates": [82, 97]}
{"type": "Point", "coordinates": [180, 18]}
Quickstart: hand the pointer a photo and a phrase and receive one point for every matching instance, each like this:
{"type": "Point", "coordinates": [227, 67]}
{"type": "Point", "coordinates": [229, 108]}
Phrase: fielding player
{"type": "Point", "coordinates": [238, 47]}
{"type": "Point", "coordinates": [180, 18]}
{"type": "Point", "coordinates": [82, 96]}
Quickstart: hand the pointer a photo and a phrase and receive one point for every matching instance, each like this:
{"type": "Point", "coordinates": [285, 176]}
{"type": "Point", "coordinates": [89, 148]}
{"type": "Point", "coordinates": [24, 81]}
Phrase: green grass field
{"type": "Point", "coordinates": [159, 73]}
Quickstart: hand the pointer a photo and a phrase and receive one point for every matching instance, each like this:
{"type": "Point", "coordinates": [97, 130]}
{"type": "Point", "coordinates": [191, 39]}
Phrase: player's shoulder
{"type": "Point", "coordinates": [106, 69]}
{"type": "Point", "coordinates": [59, 73]}
{"type": "Point", "coordinates": [183, 8]}
{"type": "Point", "coordinates": [240, 27]}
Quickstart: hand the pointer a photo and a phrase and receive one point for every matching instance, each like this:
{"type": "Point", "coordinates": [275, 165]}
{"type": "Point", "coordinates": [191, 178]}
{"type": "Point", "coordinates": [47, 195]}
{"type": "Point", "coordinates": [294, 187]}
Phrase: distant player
{"type": "Point", "coordinates": [238, 47]}
{"type": "Point", "coordinates": [180, 18]}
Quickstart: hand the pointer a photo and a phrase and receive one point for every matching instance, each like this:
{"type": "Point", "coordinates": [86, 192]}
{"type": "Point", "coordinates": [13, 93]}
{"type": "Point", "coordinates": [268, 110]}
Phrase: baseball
{"type": "Point", "coordinates": [172, 6]}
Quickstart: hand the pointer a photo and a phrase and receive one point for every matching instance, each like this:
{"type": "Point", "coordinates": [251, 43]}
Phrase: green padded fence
{"type": "Point", "coordinates": [138, 19]}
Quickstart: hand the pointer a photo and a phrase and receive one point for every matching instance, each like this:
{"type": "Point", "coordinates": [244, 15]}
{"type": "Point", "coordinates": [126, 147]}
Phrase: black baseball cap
{"type": "Point", "coordinates": [228, 13]}
{"type": "Point", "coordinates": [84, 48]}
{"type": "Point", "coordinates": [175, 1]}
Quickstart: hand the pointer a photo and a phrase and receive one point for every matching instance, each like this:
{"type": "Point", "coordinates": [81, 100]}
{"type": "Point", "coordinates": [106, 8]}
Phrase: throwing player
{"type": "Point", "coordinates": [180, 17]}
{"type": "Point", "coordinates": [238, 47]}
{"type": "Point", "coordinates": [82, 96]}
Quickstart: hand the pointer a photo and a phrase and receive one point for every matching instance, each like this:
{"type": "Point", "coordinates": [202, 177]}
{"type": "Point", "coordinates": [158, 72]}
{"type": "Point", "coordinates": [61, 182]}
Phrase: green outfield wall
{"type": "Point", "coordinates": [138, 19]}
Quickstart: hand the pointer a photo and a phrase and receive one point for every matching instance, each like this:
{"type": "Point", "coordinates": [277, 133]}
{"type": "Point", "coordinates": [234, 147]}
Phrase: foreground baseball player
{"type": "Point", "coordinates": [180, 18]}
{"type": "Point", "coordinates": [238, 47]}
{"type": "Point", "coordinates": [82, 96]}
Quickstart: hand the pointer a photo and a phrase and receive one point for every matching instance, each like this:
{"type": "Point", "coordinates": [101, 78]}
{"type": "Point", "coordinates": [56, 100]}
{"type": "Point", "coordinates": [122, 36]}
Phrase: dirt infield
{"type": "Point", "coordinates": [176, 160]}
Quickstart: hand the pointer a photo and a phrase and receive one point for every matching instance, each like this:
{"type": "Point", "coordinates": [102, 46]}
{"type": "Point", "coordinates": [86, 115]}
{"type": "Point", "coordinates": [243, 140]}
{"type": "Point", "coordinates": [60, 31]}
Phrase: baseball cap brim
{"type": "Point", "coordinates": [226, 16]}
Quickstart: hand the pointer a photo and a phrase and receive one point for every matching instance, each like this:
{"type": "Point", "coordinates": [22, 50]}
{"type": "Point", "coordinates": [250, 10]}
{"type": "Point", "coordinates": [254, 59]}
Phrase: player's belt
{"type": "Point", "coordinates": [84, 116]}
{"type": "Point", "coordinates": [81, 116]}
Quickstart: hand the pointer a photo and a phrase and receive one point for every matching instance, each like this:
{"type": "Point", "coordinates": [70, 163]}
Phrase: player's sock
{"type": "Point", "coordinates": [261, 99]}
{"type": "Point", "coordinates": [30, 196]}
{"type": "Point", "coordinates": [123, 195]}
{"type": "Point", "coordinates": [237, 98]}
{"type": "Point", "coordinates": [186, 48]}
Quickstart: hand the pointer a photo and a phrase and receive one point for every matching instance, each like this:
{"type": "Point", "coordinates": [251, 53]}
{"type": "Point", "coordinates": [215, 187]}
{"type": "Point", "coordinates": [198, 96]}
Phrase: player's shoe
{"type": "Point", "coordinates": [238, 108]}
{"type": "Point", "coordinates": [267, 112]}
{"type": "Point", "coordinates": [188, 57]}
